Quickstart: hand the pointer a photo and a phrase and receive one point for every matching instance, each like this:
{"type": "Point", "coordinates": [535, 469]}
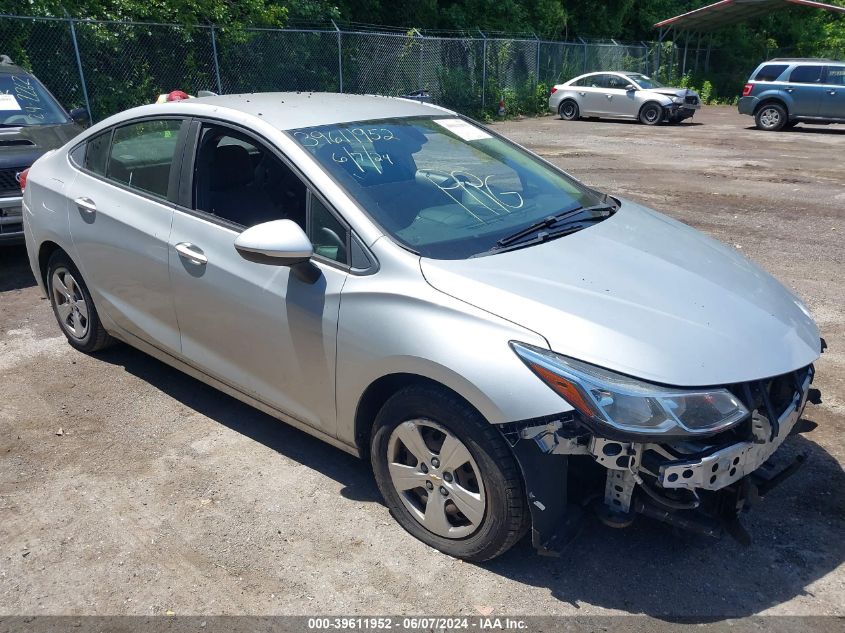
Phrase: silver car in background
{"type": "Point", "coordinates": [622, 96]}
{"type": "Point", "coordinates": [503, 343]}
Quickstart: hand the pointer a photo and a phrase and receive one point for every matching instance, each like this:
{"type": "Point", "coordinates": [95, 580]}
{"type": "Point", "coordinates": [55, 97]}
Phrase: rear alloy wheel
{"type": "Point", "coordinates": [73, 307]}
{"type": "Point", "coordinates": [771, 117]}
{"type": "Point", "coordinates": [447, 474]}
{"type": "Point", "coordinates": [651, 114]}
{"type": "Point", "coordinates": [568, 110]}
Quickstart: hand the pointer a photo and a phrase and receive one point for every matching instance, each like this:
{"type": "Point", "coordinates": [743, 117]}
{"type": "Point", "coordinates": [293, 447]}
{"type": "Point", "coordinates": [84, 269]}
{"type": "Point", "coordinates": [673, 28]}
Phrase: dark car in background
{"type": "Point", "coordinates": [31, 123]}
{"type": "Point", "coordinates": [784, 92]}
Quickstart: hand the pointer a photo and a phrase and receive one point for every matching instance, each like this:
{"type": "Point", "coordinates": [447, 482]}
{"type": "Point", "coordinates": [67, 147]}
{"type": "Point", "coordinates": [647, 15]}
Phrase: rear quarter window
{"type": "Point", "coordinates": [770, 72]}
{"type": "Point", "coordinates": [97, 153]}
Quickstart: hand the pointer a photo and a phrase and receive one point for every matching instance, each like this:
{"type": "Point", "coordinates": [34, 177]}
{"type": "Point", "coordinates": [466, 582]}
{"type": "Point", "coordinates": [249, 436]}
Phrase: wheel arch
{"type": "Point", "coordinates": [770, 100]}
{"type": "Point", "coordinates": [379, 392]}
{"type": "Point", "coordinates": [45, 252]}
{"type": "Point", "coordinates": [651, 101]}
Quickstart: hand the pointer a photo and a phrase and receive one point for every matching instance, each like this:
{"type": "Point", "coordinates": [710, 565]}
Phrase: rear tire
{"type": "Point", "coordinates": [73, 307]}
{"type": "Point", "coordinates": [771, 117]}
{"type": "Point", "coordinates": [409, 441]}
{"type": "Point", "coordinates": [651, 114]}
{"type": "Point", "coordinates": [568, 110]}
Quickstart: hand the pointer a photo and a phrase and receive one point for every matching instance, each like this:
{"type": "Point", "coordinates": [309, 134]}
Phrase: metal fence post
{"type": "Point", "coordinates": [339, 55]}
{"type": "Point", "coordinates": [216, 61]}
{"type": "Point", "coordinates": [585, 53]}
{"type": "Point", "coordinates": [79, 65]}
{"type": "Point", "coordinates": [483, 69]}
{"type": "Point", "coordinates": [420, 68]}
{"type": "Point", "coordinates": [538, 58]}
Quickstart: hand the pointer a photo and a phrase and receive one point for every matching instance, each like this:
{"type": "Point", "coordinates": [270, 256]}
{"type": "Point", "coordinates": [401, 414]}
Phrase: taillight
{"type": "Point", "coordinates": [554, 90]}
{"type": "Point", "coordinates": [746, 89]}
{"type": "Point", "coordinates": [22, 178]}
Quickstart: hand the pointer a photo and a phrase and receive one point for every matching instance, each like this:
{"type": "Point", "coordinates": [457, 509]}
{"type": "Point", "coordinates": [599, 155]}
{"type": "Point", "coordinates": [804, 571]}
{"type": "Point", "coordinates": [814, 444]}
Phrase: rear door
{"type": "Point", "coordinates": [592, 93]}
{"type": "Point", "coordinates": [260, 328]}
{"type": "Point", "coordinates": [120, 212]}
{"type": "Point", "coordinates": [833, 96]}
{"type": "Point", "coordinates": [806, 89]}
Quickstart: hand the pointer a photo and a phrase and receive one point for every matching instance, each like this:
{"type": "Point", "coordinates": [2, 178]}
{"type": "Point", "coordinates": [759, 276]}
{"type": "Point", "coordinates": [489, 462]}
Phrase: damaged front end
{"type": "Point", "coordinates": [698, 481]}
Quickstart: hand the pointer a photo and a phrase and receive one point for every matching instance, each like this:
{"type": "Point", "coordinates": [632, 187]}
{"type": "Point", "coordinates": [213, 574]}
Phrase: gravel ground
{"type": "Point", "coordinates": [160, 494]}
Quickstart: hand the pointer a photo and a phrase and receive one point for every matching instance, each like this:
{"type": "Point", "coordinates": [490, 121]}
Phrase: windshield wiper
{"type": "Point", "coordinates": [551, 220]}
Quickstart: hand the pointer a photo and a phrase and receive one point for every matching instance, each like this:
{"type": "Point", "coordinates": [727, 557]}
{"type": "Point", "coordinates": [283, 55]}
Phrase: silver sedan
{"type": "Point", "coordinates": [413, 288]}
{"type": "Point", "coordinates": [622, 96]}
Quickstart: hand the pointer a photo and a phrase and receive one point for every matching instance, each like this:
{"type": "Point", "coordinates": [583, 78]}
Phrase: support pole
{"type": "Point", "coordinates": [339, 55]}
{"type": "Point", "coordinates": [79, 66]}
{"type": "Point", "coordinates": [483, 69]}
{"type": "Point", "coordinates": [585, 54]}
{"type": "Point", "coordinates": [686, 48]}
{"type": "Point", "coordinates": [707, 56]}
{"type": "Point", "coordinates": [216, 61]}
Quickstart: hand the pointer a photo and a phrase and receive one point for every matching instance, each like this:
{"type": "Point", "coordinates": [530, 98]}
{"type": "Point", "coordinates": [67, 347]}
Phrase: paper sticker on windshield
{"type": "Point", "coordinates": [463, 129]}
{"type": "Point", "coordinates": [8, 102]}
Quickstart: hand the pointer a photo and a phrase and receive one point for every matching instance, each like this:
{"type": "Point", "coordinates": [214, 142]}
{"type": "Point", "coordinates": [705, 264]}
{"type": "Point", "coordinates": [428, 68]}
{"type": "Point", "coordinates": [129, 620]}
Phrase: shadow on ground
{"type": "Point", "coordinates": [15, 273]}
{"type": "Point", "coordinates": [645, 569]}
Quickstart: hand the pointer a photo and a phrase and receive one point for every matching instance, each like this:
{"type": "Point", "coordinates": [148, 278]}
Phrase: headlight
{"type": "Point", "coordinates": [632, 405]}
{"type": "Point", "coordinates": [677, 99]}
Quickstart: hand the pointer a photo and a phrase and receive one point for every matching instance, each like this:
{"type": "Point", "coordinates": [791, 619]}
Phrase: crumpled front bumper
{"type": "Point", "coordinates": [700, 484]}
{"type": "Point", "coordinates": [730, 464]}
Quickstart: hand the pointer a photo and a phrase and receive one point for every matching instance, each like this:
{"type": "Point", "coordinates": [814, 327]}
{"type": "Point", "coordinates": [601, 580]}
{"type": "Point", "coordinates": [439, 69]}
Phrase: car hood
{"type": "Point", "coordinates": [643, 295]}
{"type": "Point", "coordinates": [21, 146]}
{"type": "Point", "coordinates": [674, 92]}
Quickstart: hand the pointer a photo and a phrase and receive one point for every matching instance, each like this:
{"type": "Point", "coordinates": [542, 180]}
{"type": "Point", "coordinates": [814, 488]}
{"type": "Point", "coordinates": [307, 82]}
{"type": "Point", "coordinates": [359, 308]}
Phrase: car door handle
{"type": "Point", "coordinates": [86, 204]}
{"type": "Point", "coordinates": [192, 253]}
{"type": "Point", "coordinates": [583, 94]}
{"type": "Point", "coordinates": [790, 90]}
{"type": "Point", "coordinates": [831, 92]}
{"type": "Point", "coordinates": [609, 96]}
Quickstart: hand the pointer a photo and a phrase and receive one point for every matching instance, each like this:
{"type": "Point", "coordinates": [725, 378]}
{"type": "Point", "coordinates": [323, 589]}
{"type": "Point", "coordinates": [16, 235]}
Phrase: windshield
{"type": "Point", "coordinates": [441, 186]}
{"type": "Point", "coordinates": [645, 82]}
{"type": "Point", "coordinates": [24, 101]}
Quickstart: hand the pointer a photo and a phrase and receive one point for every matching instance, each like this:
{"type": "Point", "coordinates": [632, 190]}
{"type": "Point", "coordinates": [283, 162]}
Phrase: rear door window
{"type": "Point", "coordinates": [806, 75]}
{"type": "Point", "coordinates": [770, 72]}
{"type": "Point", "coordinates": [142, 154]}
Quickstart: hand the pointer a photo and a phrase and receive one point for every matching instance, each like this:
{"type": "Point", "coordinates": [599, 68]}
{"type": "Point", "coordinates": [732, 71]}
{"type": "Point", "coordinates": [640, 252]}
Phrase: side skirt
{"type": "Point", "coordinates": [228, 389]}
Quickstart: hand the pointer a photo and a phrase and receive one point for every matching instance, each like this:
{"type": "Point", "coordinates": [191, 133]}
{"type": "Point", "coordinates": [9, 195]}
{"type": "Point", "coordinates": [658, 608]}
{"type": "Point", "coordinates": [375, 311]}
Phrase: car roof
{"type": "Point", "coordinates": [292, 110]}
{"type": "Point", "coordinates": [12, 69]}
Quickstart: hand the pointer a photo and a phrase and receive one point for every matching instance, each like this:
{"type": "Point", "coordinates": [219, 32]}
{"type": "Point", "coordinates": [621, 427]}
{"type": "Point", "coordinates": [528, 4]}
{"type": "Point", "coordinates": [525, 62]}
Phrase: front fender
{"type": "Point", "coordinates": [394, 322]}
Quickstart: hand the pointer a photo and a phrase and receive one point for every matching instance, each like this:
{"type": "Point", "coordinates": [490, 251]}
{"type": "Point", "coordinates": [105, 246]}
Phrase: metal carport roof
{"type": "Point", "coordinates": [727, 12]}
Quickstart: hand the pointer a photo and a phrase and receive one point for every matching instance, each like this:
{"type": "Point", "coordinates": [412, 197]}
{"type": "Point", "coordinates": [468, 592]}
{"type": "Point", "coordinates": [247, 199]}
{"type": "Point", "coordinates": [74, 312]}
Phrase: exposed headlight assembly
{"type": "Point", "coordinates": [677, 99]}
{"type": "Point", "coordinates": [630, 405]}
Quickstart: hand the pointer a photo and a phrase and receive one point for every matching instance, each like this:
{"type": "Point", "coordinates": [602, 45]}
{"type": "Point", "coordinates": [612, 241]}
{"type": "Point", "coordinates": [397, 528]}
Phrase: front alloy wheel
{"type": "Point", "coordinates": [447, 475]}
{"type": "Point", "coordinates": [436, 478]}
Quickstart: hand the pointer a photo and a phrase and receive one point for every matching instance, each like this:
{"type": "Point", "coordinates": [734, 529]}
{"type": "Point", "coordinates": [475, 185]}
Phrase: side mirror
{"type": "Point", "coordinates": [631, 88]}
{"type": "Point", "coordinates": [276, 243]}
{"type": "Point", "coordinates": [80, 116]}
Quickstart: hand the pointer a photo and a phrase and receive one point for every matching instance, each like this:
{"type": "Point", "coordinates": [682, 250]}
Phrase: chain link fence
{"type": "Point", "coordinates": [111, 66]}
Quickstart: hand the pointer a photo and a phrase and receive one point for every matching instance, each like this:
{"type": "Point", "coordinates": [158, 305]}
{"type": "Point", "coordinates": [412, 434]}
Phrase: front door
{"type": "Point", "coordinates": [263, 329]}
{"type": "Point", "coordinates": [119, 220]}
{"type": "Point", "coordinates": [618, 101]}
{"type": "Point", "coordinates": [833, 95]}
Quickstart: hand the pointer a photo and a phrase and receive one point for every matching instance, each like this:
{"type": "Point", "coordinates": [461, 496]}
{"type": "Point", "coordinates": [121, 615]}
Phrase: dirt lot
{"type": "Point", "coordinates": [165, 495]}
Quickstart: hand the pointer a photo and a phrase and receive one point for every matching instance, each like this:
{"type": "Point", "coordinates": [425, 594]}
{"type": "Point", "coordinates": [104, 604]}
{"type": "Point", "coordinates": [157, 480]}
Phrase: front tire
{"type": "Point", "coordinates": [73, 307]}
{"type": "Point", "coordinates": [447, 475]}
{"type": "Point", "coordinates": [651, 114]}
{"type": "Point", "coordinates": [568, 110]}
{"type": "Point", "coordinates": [771, 117]}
